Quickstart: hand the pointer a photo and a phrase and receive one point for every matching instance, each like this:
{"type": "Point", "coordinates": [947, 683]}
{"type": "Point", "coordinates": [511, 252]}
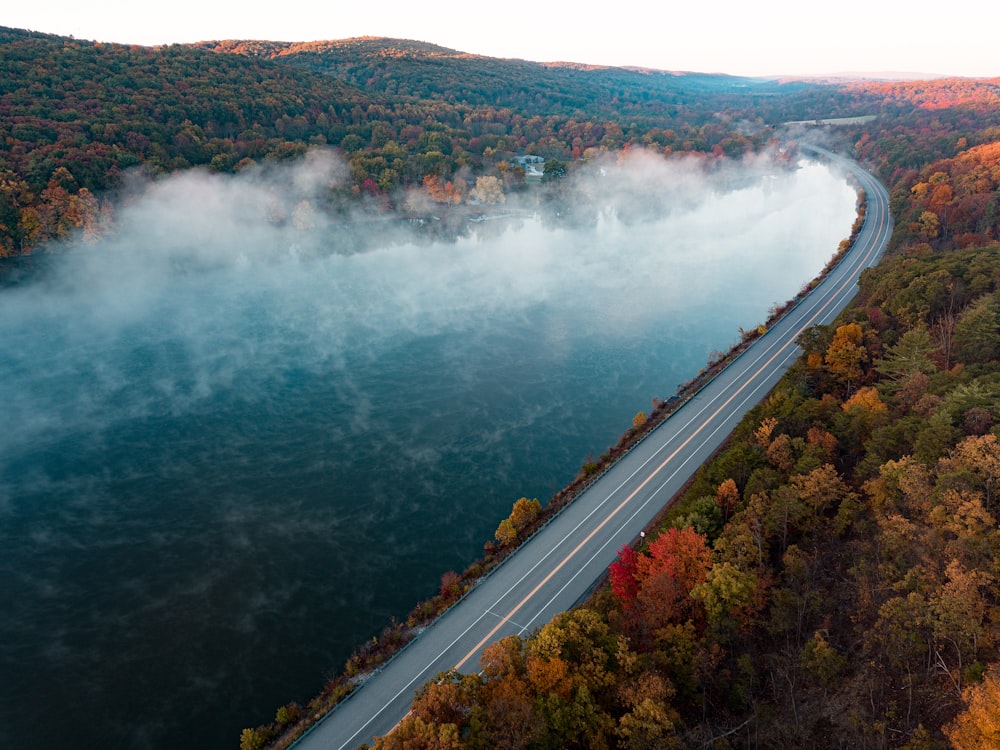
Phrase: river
{"type": "Point", "coordinates": [221, 471]}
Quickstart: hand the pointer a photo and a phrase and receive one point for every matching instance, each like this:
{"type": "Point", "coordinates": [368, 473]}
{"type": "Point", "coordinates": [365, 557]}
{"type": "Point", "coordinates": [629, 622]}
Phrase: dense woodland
{"type": "Point", "coordinates": [831, 578]}
{"type": "Point", "coordinates": [77, 118]}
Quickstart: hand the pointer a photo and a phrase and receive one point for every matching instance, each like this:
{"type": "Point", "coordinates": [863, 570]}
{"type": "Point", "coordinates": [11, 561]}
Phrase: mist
{"type": "Point", "coordinates": [235, 445]}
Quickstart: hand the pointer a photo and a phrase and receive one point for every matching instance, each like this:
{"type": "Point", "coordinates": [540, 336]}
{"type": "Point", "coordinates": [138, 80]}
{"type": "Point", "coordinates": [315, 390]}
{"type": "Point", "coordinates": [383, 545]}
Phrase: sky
{"type": "Point", "coordinates": [764, 38]}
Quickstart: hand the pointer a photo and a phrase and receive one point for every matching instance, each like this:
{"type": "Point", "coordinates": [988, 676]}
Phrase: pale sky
{"type": "Point", "coordinates": [739, 37]}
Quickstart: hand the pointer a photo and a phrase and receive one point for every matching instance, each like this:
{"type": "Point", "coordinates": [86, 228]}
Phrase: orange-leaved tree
{"type": "Point", "coordinates": [977, 726]}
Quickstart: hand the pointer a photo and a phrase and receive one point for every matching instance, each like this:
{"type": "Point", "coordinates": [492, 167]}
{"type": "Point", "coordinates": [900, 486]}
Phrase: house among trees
{"type": "Point", "coordinates": [531, 164]}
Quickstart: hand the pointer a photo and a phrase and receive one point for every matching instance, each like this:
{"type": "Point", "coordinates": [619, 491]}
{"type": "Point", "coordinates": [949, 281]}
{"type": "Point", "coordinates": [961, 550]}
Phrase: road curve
{"type": "Point", "coordinates": [557, 566]}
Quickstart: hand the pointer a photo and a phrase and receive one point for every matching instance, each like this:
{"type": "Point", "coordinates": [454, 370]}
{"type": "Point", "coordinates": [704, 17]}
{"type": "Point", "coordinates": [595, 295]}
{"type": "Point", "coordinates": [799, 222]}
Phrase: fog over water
{"type": "Point", "coordinates": [232, 446]}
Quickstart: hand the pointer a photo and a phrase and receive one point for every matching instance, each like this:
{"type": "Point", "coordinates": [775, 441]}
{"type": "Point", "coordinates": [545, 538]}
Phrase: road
{"type": "Point", "coordinates": [558, 566]}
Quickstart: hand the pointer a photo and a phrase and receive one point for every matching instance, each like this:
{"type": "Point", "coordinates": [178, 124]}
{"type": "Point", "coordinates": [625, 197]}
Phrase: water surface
{"type": "Point", "coordinates": [225, 462]}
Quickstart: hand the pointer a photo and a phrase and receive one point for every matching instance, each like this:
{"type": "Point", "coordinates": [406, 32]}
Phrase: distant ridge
{"type": "Point", "coordinates": [366, 44]}
{"type": "Point", "coordinates": [872, 76]}
{"type": "Point", "coordinates": [408, 70]}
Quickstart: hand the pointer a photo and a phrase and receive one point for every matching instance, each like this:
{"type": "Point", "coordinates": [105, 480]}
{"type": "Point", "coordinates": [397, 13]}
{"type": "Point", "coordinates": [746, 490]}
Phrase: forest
{"type": "Point", "coordinates": [830, 578]}
{"type": "Point", "coordinates": [78, 120]}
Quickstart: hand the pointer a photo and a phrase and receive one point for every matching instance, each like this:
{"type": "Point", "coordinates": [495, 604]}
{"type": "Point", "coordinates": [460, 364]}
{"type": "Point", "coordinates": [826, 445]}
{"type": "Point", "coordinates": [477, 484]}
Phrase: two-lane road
{"type": "Point", "coordinates": [553, 570]}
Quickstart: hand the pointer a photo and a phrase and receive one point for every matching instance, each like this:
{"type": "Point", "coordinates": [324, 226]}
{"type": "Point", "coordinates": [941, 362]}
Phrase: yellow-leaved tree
{"type": "Point", "coordinates": [977, 727]}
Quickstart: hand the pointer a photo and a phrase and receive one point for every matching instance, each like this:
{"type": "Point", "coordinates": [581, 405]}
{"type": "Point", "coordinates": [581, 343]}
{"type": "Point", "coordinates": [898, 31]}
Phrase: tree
{"type": "Point", "coordinates": [506, 533]}
{"type": "Point", "coordinates": [510, 719]}
{"type": "Point", "coordinates": [413, 733]}
{"type": "Point", "coordinates": [502, 657]}
{"type": "Point", "coordinates": [553, 170]}
{"type": "Point", "coordinates": [976, 461]}
{"type": "Point", "coordinates": [253, 739]}
{"type": "Point", "coordinates": [524, 512]}
{"type": "Point", "coordinates": [846, 354]}
{"type": "Point", "coordinates": [488, 191]}
{"type": "Point", "coordinates": [729, 595]}
{"type": "Point", "coordinates": [727, 497]}
{"type": "Point", "coordinates": [910, 355]}
{"type": "Point", "coordinates": [976, 330]}
{"type": "Point", "coordinates": [583, 639]}
{"type": "Point", "coordinates": [623, 573]}
{"type": "Point", "coordinates": [650, 722]}
{"type": "Point", "coordinates": [956, 616]}
{"type": "Point", "coordinates": [448, 699]}
{"type": "Point", "coordinates": [822, 659]}
{"type": "Point", "coordinates": [865, 400]}
{"type": "Point", "coordinates": [928, 226]}
{"type": "Point", "coordinates": [977, 726]}
{"type": "Point", "coordinates": [678, 560]}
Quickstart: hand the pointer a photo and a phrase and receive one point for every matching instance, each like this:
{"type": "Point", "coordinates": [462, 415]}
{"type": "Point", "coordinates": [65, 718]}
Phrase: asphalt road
{"type": "Point", "coordinates": [559, 565]}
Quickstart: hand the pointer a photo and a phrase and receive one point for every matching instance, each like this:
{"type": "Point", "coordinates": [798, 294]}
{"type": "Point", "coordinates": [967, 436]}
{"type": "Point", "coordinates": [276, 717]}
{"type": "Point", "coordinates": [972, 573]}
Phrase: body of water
{"type": "Point", "coordinates": [220, 472]}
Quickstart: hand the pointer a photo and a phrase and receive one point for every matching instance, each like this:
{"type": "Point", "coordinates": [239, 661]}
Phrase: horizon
{"type": "Point", "coordinates": [766, 41]}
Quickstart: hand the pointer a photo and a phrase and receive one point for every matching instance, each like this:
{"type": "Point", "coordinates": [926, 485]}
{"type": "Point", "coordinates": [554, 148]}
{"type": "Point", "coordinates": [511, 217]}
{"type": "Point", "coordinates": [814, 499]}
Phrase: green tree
{"type": "Point", "coordinates": [553, 169]}
{"type": "Point", "coordinates": [977, 329]}
{"type": "Point", "coordinates": [910, 355]}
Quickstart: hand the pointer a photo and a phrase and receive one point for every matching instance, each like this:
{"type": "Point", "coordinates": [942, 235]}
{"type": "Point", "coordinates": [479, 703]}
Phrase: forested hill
{"type": "Point", "coordinates": [76, 115]}
{"type": "Point", "coordinates": [413, 70]}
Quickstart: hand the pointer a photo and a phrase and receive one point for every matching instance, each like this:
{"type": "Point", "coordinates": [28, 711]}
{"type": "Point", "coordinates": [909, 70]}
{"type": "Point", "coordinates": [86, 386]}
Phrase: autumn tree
{"type": "Point", "coordinates": [650, 722]}
{"type": "Point", "coordinates": [414, 733]}
{"type": "Point", "coordinates": [975, 462]}
{"type": "Point", "coordinates": [727, 497]}
{"type": "Point", "coordinates": [522, 514]}
{"type": "Point", "coordinates": [448, 699]}
{"type": "Point", "coordinates": [977, 726]}
{"type": "Point", "coordinates": [624, 576]}
{"type": "Point", "coordinates": [677, 561]}
{"type": "Point", "coordinates": [506, 533]}
{"type": "Point", "coordinates": [846, 355]}
{"type": "Point", "coordinates": [488, 191]}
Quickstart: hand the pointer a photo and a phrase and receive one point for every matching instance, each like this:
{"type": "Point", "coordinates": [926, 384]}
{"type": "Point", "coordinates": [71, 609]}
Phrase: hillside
{"type": "Point", "coordinates": [406, 69]}
{"type": "Point", "coordinates": [77, 116]}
